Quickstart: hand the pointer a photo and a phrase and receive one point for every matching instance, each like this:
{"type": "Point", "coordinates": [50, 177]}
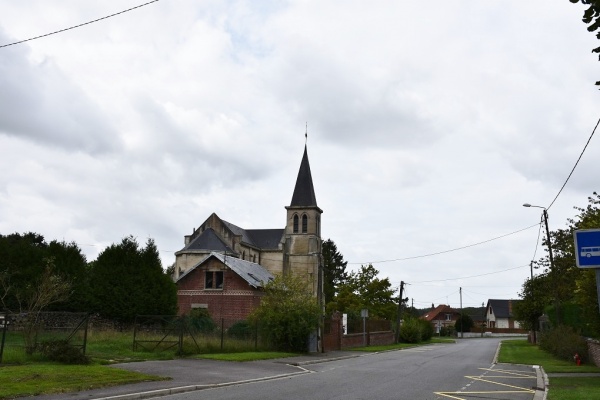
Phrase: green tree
{"type": "Point", "coordinates": [288, 313]}
{"type": "Point", "coordinates": [535, 297]}
{"type": "Point", "coordinates": [363, 289]}
{"type": "Point", "coordinates": [24, 258]}
{"type": "Point", "coordinates": [591, 17]}
{"type": "Point", "coordinates": [334, 270]}
{"type": "Point", "coordinates": [464, 323]}
{"type": "Point", "coordinates": [129, 281]}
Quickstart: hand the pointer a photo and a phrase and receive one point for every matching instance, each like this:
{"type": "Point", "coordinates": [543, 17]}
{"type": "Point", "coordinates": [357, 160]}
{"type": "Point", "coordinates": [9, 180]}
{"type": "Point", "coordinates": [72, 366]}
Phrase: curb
{"type": "Point", "coordinates": [192, 388]}
{"type": "Point", "coordinates": [541, 387]}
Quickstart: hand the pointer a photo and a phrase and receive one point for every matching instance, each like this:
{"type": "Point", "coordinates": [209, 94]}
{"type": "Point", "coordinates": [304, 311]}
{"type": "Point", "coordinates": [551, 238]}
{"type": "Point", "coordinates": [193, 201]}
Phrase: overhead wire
{"type": "Point", "coordinates": [445, 251]}
{"type": "Point", "coordinates": [80, 25]}
{"type": "Point", "coordinates": [575, 166]}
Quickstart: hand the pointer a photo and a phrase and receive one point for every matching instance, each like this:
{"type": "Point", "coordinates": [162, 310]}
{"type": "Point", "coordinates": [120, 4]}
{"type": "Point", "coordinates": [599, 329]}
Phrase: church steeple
{"type": "Point", "coordinates": [304, 191]}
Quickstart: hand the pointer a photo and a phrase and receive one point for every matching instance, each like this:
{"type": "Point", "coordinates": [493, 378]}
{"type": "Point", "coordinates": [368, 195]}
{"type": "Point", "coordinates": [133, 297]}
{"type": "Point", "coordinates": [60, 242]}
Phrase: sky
{"type": "Point", "coordinates": [429, 124]}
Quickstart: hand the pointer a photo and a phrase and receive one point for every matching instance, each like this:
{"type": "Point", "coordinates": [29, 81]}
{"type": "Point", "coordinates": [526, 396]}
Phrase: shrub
{"type": "Point", "coordinates": [240, 330]}
{"type": "Point", "coordinates": [62, 351]}
{"type": "Point", "coordinates": [564, 342]}
{"type": "Point", "coordinates": [426, 329]}
{"type": "Point", "coordinates": [410, 331]}
{"type": "Point", "coordinates": [200, 321]}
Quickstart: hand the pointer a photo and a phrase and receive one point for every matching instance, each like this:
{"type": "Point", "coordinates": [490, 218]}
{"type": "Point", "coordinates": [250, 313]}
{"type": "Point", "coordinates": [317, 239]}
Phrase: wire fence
{"type": "Point", "coordinates": [23, 335]}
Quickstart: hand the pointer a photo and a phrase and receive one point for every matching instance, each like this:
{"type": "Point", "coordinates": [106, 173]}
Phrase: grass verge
{"type": "Point", "coordinates": [50, 378]}
{"type": "Point", "coordinates": [561, 388]}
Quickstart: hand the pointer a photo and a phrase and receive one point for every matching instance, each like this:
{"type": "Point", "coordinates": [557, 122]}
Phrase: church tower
{"type": "Point", "coordinates": [302, 253]}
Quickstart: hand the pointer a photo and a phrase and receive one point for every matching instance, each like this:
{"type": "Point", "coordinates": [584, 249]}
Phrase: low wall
{"type": "Point", "coordinates": [368, 339]}
{"type": "Point", "coordinates": [491, 334]}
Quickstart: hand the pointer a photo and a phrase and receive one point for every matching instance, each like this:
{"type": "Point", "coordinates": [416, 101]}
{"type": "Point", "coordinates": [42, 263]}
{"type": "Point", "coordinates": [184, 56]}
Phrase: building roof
{"type": "Point", "coordinates": [441, 309]}
{"type": "Point", "coordinates": [304, 191]}
{"type": "Point", "coordinates": [266, 239]}
{"type": "Point", "coordinates": [208, 240]}
{"type": "Point", "coordinates": [253, 273]}
{"type": "Point", "coordinates": [501, 308]}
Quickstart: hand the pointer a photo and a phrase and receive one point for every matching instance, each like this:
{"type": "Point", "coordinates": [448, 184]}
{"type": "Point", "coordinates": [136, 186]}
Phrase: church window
{"type": "Point", "coordinates": [243, 255]}
{"type": "Point", "coordinates": [295, 223]}
{"type": "Point", "coordinates": [213, 280]}
{"type": "Point", "coordinates": [304, 223]}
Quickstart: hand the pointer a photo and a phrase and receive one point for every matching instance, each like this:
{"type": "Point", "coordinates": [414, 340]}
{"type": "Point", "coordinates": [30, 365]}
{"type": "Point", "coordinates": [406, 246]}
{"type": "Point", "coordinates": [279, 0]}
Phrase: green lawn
{"type": "Point", "coordinates": [397, 346]}
{"type": "Point", "coordinates": [248, 356]}
{"type": "Point", "coordinates": [567, 388]}
{"type": "Point", "coordinates": [48, 378]}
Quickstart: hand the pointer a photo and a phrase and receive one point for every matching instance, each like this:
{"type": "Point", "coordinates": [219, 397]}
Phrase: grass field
{"type": "Point", "coordinates": [561, 388]}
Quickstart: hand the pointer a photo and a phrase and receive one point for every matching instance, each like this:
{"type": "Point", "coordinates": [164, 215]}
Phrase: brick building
{"type": "Point", "coordinates": [222, 267]}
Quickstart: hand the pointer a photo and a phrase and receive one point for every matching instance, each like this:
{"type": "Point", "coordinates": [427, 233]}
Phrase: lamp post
{"type": "Point", "coordinates": [545, 215]}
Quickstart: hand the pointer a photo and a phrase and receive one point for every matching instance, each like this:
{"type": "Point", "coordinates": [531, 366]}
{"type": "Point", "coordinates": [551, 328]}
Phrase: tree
{"type": "Point", "coordinates": [24, 258]}
{"type": "Point", "coordinates": [563, 286]}
{"type": "Point", "coordinates": [129, 281]}
{"type": "Point", "coordinates": [364, 289]}
{"type": "Point", "coordinates": [334, 270]}
{"type": "Point", "coordinates": [288, 313]}
{"type": "Point", "coordinates": [464, 323]}
{"type": "Point", "coordinates": [591, 17]}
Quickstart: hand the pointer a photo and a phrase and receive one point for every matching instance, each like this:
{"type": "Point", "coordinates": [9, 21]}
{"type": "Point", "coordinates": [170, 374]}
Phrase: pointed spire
{"type": "Point", "coordinates": [304, 192]}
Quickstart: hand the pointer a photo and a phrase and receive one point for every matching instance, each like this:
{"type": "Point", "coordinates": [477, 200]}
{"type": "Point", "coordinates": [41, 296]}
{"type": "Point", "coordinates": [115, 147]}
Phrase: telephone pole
{"type": "Point", "coordinates": [461, 316]}
{"type": "Point", "coordinates": [399, 312]}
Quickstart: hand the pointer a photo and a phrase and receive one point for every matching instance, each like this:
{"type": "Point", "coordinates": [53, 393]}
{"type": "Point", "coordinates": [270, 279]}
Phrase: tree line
{"type": "Point", "coordinates": [125, 280]}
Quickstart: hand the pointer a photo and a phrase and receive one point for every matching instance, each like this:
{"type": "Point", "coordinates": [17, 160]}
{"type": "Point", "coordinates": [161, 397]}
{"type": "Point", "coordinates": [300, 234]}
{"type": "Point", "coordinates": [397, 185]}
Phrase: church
{"type": "Point", "coordinates": [223, 268]}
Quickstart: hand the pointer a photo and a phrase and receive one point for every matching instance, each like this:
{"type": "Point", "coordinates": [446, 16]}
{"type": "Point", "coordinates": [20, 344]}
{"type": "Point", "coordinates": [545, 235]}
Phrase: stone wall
{"type": "Point", "coordinates": [594, 351]}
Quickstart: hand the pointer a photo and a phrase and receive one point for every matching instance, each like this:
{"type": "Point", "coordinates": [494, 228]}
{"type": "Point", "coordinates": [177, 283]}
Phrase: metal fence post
{"type": "Point", "coordinates": [222, 332]}
{"type": "Point", "coordinates": [4, 328]}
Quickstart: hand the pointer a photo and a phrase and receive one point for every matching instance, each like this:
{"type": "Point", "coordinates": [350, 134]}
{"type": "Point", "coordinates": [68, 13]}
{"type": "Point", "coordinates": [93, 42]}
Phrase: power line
{"type": "Point", "coordinates": [575, 166]}
{"type": "Point", "coordinates": [80, 25]}
{"type": "Point", "coordinates": [472, 276]}
{"type": "Point", "coordinates": [445, 251]}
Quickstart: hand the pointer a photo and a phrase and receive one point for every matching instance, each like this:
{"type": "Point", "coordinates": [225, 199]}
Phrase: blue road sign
{"type": "Point", "coordinates": [587, 248]}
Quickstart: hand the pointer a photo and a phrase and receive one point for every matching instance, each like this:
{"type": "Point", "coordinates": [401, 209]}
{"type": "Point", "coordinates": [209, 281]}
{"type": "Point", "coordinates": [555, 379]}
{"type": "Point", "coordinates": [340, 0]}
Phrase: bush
{"type": "Point", "coordinates": [564, 342]}
{"type": "Point", "coordinates": [200, 321]}
{"type": "Point", "coordinates": [426, 329]}
{"type": "Point", "coordinates": [410, 331]}
{"type": "Point", "coordinates": [240, 330]}
{"type": "Point", "coordinates": [62, 351]}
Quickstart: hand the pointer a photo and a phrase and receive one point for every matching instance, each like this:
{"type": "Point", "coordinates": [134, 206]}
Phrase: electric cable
{"type": "Point", "coordinates": [77, 26]}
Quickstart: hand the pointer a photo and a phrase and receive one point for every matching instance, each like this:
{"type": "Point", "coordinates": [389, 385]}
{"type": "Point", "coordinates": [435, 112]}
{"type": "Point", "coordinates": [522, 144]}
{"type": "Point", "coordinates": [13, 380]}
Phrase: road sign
{"type": "Point", "coordinates": [587, 248]}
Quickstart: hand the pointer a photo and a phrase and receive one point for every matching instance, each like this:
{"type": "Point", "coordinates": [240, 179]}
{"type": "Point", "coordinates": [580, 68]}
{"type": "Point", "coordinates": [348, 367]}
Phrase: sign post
{"type": "Point", "coordinates": [587, 252]}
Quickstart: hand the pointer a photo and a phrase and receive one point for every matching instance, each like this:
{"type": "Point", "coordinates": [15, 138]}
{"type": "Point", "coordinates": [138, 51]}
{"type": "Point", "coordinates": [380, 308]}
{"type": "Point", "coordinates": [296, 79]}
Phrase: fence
{"type": "Point", "coordinates": [195, 334]}
{"type": "Point", "coordinates": [22, 334]}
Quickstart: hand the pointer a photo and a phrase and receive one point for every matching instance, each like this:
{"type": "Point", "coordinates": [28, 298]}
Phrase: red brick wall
{"type": "Point", "coordinates": [235, 301]}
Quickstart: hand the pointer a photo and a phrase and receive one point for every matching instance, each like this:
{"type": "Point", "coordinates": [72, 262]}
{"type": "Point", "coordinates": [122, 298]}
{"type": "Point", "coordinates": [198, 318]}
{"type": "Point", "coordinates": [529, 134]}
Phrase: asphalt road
{"type": "Point", "coordinates": [464, 370]}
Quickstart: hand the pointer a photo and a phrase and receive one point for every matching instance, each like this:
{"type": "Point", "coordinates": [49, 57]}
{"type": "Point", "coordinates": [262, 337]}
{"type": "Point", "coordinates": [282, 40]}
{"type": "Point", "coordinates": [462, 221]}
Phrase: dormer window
{"type": "Point", "coordinates": [296, 223]}
{"type": "Point", "coordinates": [304, 223]}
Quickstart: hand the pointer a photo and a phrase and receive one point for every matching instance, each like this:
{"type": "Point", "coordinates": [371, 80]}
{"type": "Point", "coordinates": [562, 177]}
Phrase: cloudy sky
{"type": "Point", "coordinates": [429, 125]}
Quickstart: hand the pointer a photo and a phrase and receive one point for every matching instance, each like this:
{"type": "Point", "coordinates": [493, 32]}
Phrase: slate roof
{"type": "Point", "coordinates": [501, 308]}
{"type": "Point", "coordinates": [253, 273]}
{"type": "Point", "coordinates": [266, 239]}
{"type": "Point", "coordinates": [304, 191]}
{"type": "Point", "coordinates": [208, 240]}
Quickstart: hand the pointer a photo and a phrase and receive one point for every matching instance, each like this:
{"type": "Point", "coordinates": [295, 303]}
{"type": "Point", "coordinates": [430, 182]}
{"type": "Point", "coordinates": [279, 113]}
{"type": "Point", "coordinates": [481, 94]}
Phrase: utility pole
{"type": "Point", "coordinates": [399, 312]}
{"type": "Point", "coordinates": [461, 316]}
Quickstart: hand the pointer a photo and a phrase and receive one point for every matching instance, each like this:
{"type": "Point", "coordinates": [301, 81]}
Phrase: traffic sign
{"type": "Point", "coordinates": [587, 248]}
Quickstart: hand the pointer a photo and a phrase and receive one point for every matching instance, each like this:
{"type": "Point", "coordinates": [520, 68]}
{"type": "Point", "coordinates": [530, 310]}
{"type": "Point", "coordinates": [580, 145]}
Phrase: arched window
{"type": "Point", "coordinates": [295, 223]}
{"type": "Point", "coordinates": [243, 255]}
{"type": "Point", "coordinates": [304, 223]}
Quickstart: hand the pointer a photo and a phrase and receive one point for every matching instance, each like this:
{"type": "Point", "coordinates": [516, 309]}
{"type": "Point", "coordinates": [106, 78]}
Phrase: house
{"type": "Point", "coordinates": [499, 314]}
{"type": "Point", "coordinates": [442, 316]}
{"type": "Point", "coordinates": [222, 267]}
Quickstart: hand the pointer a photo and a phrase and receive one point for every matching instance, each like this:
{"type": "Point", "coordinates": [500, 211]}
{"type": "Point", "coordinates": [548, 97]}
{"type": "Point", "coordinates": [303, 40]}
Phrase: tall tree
{"type": "Point", "coordinates": [334, 270]}
{"type": "Point", "coordinates": [591, 17]}
{"type": "Point", "coordinates": [129, 281]}
{"type": "Point", "coordinates": [364, 289]}
{"type": "Point", "coordinates": [25, 257]}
